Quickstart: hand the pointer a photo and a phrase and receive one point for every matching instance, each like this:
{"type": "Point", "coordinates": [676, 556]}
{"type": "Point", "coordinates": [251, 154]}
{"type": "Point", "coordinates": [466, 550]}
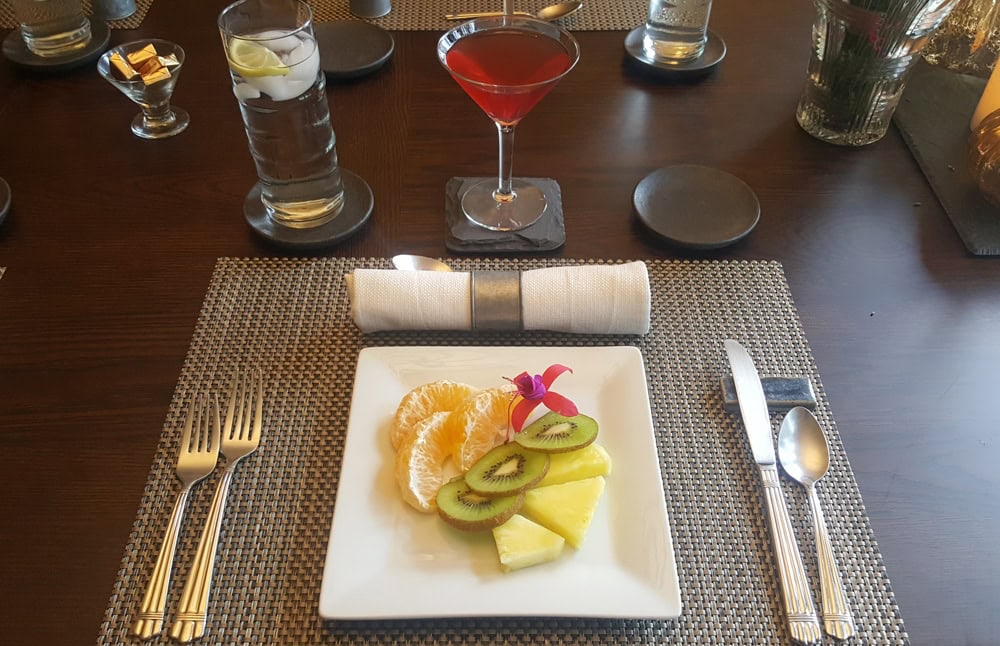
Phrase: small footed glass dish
{"type": "Point", "coordinates": [146, 71]}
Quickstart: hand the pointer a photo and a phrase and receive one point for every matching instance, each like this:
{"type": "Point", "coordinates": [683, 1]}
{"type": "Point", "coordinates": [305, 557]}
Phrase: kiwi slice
{"type": "Point", "coordinates": [464, 509]}
{"type": "Point", "coordinates": [553, 433]}
{"type": "Point", "coordinates": [507, 469]}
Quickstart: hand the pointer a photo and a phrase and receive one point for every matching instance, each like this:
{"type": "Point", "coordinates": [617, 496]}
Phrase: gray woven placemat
{"type": "Point", "coordinates": [292, 317]}
{"type": "Point", "coordinates": [9, 20]}
{"type": "Point", "coordinates": [428, 15]}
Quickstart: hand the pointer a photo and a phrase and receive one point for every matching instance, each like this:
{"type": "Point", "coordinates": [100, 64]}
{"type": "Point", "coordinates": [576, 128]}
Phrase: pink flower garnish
{"type": "Point", "coordinates": [533, 390]}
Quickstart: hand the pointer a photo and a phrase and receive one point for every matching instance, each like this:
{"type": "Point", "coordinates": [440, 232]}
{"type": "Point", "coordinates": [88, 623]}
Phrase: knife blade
{"type": "Point", "coordinates": [799, 608]}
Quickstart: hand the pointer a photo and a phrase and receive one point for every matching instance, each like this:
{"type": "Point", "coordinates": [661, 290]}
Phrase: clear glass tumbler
{"type": "Point", "coordinates": [676, 30]}
{"type": "Point", "coordinates": [968, 41]}
{"type": "Point", "coordinates": [275, 68]}
{"type": "Point", "coordinates": [52, 27]}
{"type": "Point", "coordinates": [861, 53]}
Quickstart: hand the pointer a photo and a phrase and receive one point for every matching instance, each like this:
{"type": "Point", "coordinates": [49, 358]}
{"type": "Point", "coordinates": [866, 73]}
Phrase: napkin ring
{"type": "Point", "coordinates": [496, 300]}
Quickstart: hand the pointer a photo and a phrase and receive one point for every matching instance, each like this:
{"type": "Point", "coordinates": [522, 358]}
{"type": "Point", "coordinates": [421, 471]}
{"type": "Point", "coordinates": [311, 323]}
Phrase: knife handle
{"type": "Point", "coordinates": [799, 607]}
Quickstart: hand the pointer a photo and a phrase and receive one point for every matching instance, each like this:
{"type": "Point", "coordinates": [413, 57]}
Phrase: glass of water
{"type": "Point", "coordinates": [274, 63]}
{"type": "Point", "coordinates": [52, 27]}
{"type": "Point", "coordinates": [676, 30]}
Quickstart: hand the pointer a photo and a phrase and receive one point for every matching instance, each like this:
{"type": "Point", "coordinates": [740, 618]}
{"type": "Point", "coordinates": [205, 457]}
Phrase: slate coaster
{"type": "Point", "coordinates": [933, 118]}
{"type": "Point", "coordinates": [465, 237]}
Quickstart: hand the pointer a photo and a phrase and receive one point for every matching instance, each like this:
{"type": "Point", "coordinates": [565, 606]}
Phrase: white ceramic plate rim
{"type": "Point", "coordinates": [387, 561]}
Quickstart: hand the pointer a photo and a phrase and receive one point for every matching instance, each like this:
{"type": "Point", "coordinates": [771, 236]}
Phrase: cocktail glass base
{"type": "Point", "coordinates": [358, 204]}
{"type": "Point", "coordinates": [147, 129]}
{"type": "Point", "coordinates": [482, 207]}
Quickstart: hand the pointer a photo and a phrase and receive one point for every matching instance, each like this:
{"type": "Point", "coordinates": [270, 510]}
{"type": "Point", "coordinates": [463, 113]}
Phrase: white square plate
{"type": "Point", "coordinates": [387, 561]}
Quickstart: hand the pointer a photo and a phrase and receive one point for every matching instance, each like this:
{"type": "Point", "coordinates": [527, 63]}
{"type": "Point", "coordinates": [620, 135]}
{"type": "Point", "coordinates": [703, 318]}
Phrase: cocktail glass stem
{"type": "Point", "coordinates": [505, 191]}
{"type": "Point", "coordinates": [157, 116]}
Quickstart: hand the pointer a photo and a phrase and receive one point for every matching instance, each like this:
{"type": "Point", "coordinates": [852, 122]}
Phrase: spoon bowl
{"type": "Point", "coordinates": [802, 447]}
{"type": "Point", "coordinates": [548, 14]}
{"type": "Point", "coordinates": [409, 262]}
{"type": "Point", "coordinates": [805, 456]}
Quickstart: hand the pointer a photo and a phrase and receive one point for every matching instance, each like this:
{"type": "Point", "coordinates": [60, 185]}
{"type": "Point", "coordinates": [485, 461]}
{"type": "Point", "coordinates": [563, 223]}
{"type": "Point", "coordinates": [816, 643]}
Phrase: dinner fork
{"type": "Point", "coordinates": [198, 454]}
{"type": "Point", "coordinates": [240, 438]}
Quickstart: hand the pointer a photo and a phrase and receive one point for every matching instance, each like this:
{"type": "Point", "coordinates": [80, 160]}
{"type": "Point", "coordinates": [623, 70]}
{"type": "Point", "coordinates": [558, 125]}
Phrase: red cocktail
{"type": "Point", "coordinates": [506, 65]}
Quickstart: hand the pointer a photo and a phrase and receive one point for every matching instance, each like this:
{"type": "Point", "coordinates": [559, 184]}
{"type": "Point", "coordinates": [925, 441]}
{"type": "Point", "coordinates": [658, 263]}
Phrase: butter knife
{"type": "Point", "coordinates": [799, 607]}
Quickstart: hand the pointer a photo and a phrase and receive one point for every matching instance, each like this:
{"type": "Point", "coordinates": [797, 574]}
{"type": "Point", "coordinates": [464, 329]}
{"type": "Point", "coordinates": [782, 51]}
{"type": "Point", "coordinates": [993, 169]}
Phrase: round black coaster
{"type": "Point", "coordinates": [696, 206]}
{"type": "Point", "coordinates": [714, 52]}
{"type": "Point", "coordinates": [358, 204]}
{"type": "Point", "coordinates": [4, 199]}
{"type": "Point", "coordinates": [352, 48]}
{"type": "Point", "coordinates": [18, 53]}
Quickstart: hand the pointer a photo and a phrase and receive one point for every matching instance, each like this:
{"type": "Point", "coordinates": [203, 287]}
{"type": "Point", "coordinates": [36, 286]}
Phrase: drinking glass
{"type": "Point", "coordinates": [676, 30]}
{"type": "Point", "coordinates": [506, 65]}
{"type": "Point", "coordinates": [968, 41]}
{"type": "Point", "coordinates": [52, 27]}
{"type": "Point", "coordinates": [157, 119]}
{"type": "Point", "coordinates": [274, 63]}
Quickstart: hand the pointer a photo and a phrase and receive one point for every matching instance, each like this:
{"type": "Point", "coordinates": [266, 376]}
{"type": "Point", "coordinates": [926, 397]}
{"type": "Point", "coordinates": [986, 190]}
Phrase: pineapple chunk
{"type": "Point", "coordinates": [522, 543]}
{"type": "Point", "coordinates": [567, 508]}
{"type": "Point", "coordinates": [592, 460]}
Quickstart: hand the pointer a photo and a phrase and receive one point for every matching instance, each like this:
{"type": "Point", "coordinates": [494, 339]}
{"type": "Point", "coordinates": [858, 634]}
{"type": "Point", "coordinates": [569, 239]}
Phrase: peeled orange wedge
{"type": "Point", "coordinates": [478, 424]}
{"type": "Point", "coordinates": [420, 462]}
{"type": "Point", "coordinates": [425, 400]}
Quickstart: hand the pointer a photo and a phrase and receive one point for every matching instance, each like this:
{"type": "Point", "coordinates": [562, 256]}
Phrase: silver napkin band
{"type": "Point", "coordinates": [496, 300]}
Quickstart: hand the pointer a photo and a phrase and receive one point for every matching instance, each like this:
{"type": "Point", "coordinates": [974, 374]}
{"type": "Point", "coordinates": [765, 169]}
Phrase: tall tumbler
{"type": "Point", "coordinates": [862, 51]}
{"type": "Point", "coordinates": [676, 30]}
{"type": "Point", "coordinates": [52, 28]}
{"type": "Point", "coordinates": [274, 64]}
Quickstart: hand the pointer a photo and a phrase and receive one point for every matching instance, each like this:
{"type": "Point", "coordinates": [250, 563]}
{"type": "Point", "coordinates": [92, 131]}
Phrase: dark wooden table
{"type": "Point", "coordinates": [108, 250]}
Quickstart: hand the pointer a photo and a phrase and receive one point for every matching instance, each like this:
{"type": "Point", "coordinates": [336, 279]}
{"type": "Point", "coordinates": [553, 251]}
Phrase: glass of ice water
{"type": "Point", "coordinates": [274, 63]}
{"type": "Point", "coordinates": [676, 30]}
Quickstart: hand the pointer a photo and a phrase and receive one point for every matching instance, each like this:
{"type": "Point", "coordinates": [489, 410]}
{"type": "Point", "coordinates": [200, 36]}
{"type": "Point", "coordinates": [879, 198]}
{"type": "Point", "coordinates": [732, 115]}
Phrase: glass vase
{"type": "Point", "coordinates": [861, 53]}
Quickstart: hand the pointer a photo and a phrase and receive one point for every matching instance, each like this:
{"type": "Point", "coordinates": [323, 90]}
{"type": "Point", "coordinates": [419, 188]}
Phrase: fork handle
{"type": "Point", "coordinates": [193, 609]}
{"type": "Point", "coordinates": [149, 621]}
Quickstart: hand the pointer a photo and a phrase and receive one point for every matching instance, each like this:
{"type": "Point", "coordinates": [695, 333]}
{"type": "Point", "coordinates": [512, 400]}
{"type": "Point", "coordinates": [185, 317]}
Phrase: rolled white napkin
{"type": "Point", "coordinates": [586, 299]}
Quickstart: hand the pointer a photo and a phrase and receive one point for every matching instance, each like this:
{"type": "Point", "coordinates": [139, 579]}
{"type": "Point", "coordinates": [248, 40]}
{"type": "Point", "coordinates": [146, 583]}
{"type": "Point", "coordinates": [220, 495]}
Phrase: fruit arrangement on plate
{"type": "Point", "coordinates": [535, 485]}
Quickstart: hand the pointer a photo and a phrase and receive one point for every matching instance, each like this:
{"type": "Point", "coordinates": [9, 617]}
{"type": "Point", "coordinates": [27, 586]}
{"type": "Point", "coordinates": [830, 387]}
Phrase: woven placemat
{"type": "Point", "coordinates": [428, 15]}
{"type": "Point", "coordinates": [9, 20]}
{"type": "Point", "coordinates": [292, 317]}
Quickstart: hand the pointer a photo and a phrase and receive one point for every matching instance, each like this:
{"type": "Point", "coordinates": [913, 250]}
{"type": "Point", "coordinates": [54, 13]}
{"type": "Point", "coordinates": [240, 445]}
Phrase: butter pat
{"type": "Point", "coordinates": [138, 57]}
{"type": "Point", "coordinates": [126, 71]}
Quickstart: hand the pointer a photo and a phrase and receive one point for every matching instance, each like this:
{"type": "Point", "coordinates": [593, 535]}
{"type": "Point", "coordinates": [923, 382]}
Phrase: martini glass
{"type": "Point", "coordinates": [506, 65]}
{"type": "Point", "coordinates": [157, 119]}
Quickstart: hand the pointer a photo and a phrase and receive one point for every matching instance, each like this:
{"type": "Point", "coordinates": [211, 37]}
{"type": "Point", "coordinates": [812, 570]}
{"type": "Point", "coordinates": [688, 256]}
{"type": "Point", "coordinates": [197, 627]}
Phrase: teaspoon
{"type": "Point", "coordinates": [408, 262]}
{"type": "Point", "coordinates": [549, 13]}
{"type": "Point", "coordinates": [805, 456]}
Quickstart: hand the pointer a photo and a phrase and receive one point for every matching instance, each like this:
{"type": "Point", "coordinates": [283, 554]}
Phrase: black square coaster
{"type": "Point", "coordinates": [465, 237]}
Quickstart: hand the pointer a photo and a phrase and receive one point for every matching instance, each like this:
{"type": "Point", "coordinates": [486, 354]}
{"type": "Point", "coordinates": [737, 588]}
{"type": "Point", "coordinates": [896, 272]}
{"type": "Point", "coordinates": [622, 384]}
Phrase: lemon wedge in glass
{"type": "Point", "coordinates": [251, 59]}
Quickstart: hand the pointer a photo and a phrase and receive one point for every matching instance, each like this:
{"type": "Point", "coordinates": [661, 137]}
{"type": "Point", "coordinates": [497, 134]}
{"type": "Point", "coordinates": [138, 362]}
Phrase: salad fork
{"type": "Point", "coordinates": [240, 438]}
{"type": "Point", "coordinates": [198, 454]}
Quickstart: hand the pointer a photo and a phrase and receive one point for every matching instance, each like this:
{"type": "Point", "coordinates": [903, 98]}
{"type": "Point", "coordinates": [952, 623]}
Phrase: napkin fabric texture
{"type": "Point", "coordinates": [585, 299]}
{"type": "Point", "coordinates": [547, 234]}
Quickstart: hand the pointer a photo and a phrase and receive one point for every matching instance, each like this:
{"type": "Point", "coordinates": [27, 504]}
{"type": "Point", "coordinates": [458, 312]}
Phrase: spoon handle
{"type": "Point", "coordinates": [481, 14]}
{"type": "Point", "coordinates": [837, 619]}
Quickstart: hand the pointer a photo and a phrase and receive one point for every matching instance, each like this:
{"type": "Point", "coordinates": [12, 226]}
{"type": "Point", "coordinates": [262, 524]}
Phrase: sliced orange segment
{"type": "Point", "coordinates": [423, 401]}
{"type": "Point", "coordinates": [478, 424]}
{"type": "Point", "coordinates": [420, 460]}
